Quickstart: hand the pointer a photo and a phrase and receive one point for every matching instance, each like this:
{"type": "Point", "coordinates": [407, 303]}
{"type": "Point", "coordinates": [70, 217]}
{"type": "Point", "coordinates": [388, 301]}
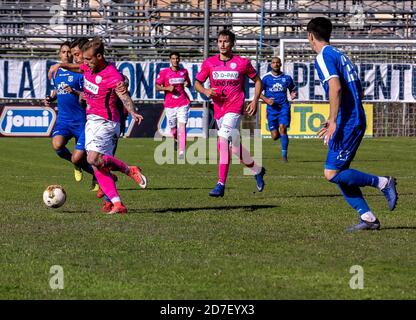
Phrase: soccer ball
{"type": "Point", "coordinates": [54, 196]}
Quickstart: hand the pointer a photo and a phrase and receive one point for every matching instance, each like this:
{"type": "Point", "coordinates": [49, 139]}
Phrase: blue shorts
{"type": "Point", "coordinates": [277, 116]}
{"type": "Point", "coordinates": [343, 147]}
{"type": "Point", "coordinates": [71, 130]}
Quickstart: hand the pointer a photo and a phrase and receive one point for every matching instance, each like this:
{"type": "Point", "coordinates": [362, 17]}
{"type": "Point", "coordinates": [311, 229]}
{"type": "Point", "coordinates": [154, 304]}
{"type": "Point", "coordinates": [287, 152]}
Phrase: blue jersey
{"type": "Point", "coordinates": [69, 107]}
{"type": "Point", "coordinates": [332, 63]}
{"type": "Point", "coordinates": [276, 87]}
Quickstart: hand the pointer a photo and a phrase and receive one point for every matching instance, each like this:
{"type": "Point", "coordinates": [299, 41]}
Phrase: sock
{"type": "Point", "coordinates": [246, 159]}
{"type": "Point", "coordinates": [174, 133]}
{"type": "Point", "coordinates": [115, 164]}
{"type": "Point", "coordinates": [351, 177]}
{"type": "Point", "coordinates": [182, 139]}
{"type": "Point", "coordinates": [368, 216]}
{"type": "Point", "coordinates": [382, 182]}
{"type": "Point", "coordinates": [284, 142]}
{"type": "Point", "coordinates": [85, 166]}
{"type": "Point", "coordinates": [107, 184]}
{"type": "Point", "coordinates": [354, 197]}
{"type": "Point", "coordinates": [224, 164]}
{"type": "Point", "coordinates": [64, 153]}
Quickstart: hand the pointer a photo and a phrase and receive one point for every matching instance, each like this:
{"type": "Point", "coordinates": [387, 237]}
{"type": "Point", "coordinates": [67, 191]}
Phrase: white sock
{"type": "Point", "coordinates": [368, 216]}
{"type": "Point", "coordinates": [382, 182]}
{"type": "Point", "coordinates": [115, 199]}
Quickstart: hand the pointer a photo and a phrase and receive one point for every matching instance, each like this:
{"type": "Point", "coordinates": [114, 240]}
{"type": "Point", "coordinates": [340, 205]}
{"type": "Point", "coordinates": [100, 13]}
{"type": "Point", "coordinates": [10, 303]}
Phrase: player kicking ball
{"type": "Point", "coordinates": [345, 127]}
{"type": "Point", "coordinates": [173, 81]}
{"type": "Point", "coordinates": [102, 129]}
{"type": "Point", "coordinates": [276, 85]}
{"type": "Point", "coordinates": [226, 73]}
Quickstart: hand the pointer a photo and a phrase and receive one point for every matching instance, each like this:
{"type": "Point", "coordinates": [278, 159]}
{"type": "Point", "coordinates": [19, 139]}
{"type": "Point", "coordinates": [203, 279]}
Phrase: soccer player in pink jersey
{"type": "Point", "coordinates": [226, 73]}
{"type": "Point", "coordinates": [173, 81]}
{"type": "Point", "coordinates": [103, 120]}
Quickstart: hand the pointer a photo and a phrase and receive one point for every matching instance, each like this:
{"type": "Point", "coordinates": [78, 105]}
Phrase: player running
{"type": "Point", "coordinates": [103, 120]}
{"type": "Point", "coordinates": [173, 81]}
{"type": "Point", "coordinates": [78, 58]}
{"type": "Point", "coordinates": [345, 126]}
{"type": "Point", "coordinates": [71, 118]}
{"type": "Point", "coordinates": [276, 84]}
{"type": "Point", "coordinates": [227, 73]}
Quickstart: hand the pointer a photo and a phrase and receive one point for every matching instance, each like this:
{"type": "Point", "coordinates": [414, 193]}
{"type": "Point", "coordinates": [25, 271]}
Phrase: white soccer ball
{"type": "Point", "coordinates": [54, 196]}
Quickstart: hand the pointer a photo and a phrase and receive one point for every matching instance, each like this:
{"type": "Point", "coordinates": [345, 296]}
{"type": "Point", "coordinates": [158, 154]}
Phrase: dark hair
{"type": "Point", "coordinates": [79, 42]}
{"type": "Point", "coordinates": [225, 32]}
{"type": "Point", "coordinates": [174, 53]}
{"type": "Point", "coordinates": [321, 28]}
{"type": "Point", "coordinates": [66, 43]}
{"type": "Point", "coordinates": [97, 45]}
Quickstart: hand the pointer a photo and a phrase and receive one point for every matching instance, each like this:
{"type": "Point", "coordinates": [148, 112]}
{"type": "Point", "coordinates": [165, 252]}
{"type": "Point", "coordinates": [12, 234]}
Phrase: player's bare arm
{"type": "Point", "coordinates": [252, 106]}
{"type": "Point", "coordinates": [122, 87]}
{"type": "Point", "coordinates": [162, 88]}
{"type": "Point", "coordinates": [50, 98]}
{"type": "Point", "coordinates": [293, 95]}
{"type": "Point", "coordinates": [266, 100]}
{"type": "Point", "coordinates": [129, 105]}
{"type": "Point", "coordinates": [74, 67]}
{"type": "Point", "coordinates": [209, 92]}
{"type": "Point", "coordinates": [330, 125]}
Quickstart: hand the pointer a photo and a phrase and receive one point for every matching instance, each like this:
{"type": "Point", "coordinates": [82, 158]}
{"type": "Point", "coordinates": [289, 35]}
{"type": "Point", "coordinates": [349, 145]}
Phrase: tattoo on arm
{"type": "Point", "coordinates": [127, 102]}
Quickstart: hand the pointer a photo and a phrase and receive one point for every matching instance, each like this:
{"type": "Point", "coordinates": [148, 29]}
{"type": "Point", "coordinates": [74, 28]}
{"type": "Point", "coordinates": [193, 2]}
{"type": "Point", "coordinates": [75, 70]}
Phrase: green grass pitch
{"type": "Point", "coordinates": [287, 242]}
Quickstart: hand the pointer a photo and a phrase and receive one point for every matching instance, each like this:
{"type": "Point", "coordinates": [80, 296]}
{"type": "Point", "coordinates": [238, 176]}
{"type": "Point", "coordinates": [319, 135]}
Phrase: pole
{"type": "Point", "coordinates": [259, 52]}
{"type": "Point", "coordinates": [206, 55]}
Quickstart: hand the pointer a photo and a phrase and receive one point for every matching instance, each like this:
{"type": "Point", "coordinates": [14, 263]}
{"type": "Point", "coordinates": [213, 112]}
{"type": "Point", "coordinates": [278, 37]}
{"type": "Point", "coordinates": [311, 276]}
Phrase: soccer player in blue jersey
{"type": "Point", "coordinates": [345, 126]}
{"type": "Point", "coordinates": [71, 118]}
{"type": "Point", "coordinates": [276, 85]}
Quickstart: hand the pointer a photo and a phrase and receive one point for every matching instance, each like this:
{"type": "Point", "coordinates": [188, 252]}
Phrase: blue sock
{"type": "Point", "coordinates": [84, 165]}
{"type": "Point", "coordinates": [284, 141]}
{"type": "Point", "coordinates": [351, 177]}
{"type": "Point", "coordinates": [354, 197]}
{"type": "Point", "coordinates": [106, 199]}
{"type": "Point", "coordinates": [64, 153]}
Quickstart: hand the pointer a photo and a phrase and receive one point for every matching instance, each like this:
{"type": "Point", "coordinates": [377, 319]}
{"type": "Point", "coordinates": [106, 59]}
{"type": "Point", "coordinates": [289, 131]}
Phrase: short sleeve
{"type": "Point", "coordinates": [264, 82]}
{"type": "Point", "coordinates": [116, 78]}
{"type": "Point", "coordinates": [250, 71]}
{"type": "Point", "coordinates": [160, 78]}
{"type": "Point", "coordinates": [187, 77]}
{"type": "Point", "coordinates": [327, 63]}
{"type": "Point", "coordinates": [204, 72]}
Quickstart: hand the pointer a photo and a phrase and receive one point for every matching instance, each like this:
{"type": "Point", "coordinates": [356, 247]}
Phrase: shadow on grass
{"type": "Point", "coordinates": [337, 195]}
{"type": "Point", "coordinates": [166, 188]}
{"type": "Point", "coordinates": [398, 228]}
{"type": "Point", "coordinates": [250, 208]}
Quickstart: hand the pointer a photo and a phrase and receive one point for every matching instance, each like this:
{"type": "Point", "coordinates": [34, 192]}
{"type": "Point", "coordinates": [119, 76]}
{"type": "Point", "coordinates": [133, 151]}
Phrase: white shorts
{"type": "Point", "coordinates": [175, 115]}
{"type": "Point", "coordinates": [101, 135]}
{"type": "Point", "coordinates": [229, 126]}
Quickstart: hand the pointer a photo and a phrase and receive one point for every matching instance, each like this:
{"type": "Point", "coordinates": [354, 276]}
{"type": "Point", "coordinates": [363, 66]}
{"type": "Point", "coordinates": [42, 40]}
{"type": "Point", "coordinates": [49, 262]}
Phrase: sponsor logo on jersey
{"type": "Point", "coordinates": [277, 87]}
{"type": "Point", "coordinates": [27, 121]}
{"type": "Point", "coordinates": [225, 75]}
{"type": "Point", "coordinates": [176, 81]}
{"type": "Point", "coordinates": [91, 87]}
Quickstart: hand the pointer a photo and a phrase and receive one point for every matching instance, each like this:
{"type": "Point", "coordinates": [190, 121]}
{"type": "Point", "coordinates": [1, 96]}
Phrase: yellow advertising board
{"type": "Point", "coordinates": [307, 119]}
